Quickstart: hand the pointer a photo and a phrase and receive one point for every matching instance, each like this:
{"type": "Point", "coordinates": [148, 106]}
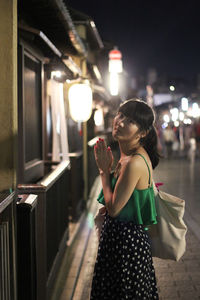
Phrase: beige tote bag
{"type": "Point", "coordinates": [168, 235]}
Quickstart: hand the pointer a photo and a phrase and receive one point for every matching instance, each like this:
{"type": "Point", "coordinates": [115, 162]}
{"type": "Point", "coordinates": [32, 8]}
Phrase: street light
{"type": "Point", "coordinates": [80, 101]}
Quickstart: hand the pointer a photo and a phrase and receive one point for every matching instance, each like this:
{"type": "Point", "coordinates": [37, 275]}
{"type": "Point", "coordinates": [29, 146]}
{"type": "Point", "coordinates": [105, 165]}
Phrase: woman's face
{"type": "Point", "coordinates": [124, 128]}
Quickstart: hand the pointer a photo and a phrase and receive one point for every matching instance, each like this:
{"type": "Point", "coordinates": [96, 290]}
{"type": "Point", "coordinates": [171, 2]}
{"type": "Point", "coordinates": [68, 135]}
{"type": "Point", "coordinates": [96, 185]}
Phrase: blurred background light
{"type": "Point", "coordinates": [172, 88]}
{"type": "Point", "coordinates": [164, 125]}
{"type": "Point", "coordinates": [184, 104]}
{"type": "Point", "coordinates": [195, 110]}
{"type": "Point", "coordinates": [181, 116]}
{"type": "Point", "coordinates": [166, 118]}
{"type": "Point", "coordinates": [57, 74]}
{"type": "Point", "coordinates": [98, 117]}
{"type": "Point", "coordinates": [187, 121]}
{"type": "Point", "coordinates": [176, 123]}
{"type": "Point", "coordinates": [174, 112]}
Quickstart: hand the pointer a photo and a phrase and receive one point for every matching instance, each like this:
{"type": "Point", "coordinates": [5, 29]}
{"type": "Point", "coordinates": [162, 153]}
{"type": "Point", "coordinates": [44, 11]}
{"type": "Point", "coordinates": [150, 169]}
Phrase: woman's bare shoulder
{"type": "Point", "coordinates": [141, 157]}
{"type": "Point", "coordinates": [134, 163]}
{"type": "Point", "coordinates": [137, 162]}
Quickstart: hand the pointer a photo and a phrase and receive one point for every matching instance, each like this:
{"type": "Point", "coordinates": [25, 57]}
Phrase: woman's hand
{"type": "Point", "coordinates": [103, 156]}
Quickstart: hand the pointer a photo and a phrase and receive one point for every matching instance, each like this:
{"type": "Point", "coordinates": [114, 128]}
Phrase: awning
{"type": "Point", "coordinates": [49, 50]}
{"type": "Point", "coordinates": [53, 19]}
{"type": "Point", "coordinates": [92, 34]}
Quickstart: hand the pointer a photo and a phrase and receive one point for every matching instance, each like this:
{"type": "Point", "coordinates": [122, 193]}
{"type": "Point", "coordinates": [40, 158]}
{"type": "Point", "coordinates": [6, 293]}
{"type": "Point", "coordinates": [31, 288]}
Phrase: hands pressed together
{"type": "Point", "coordinates": [103, 156]}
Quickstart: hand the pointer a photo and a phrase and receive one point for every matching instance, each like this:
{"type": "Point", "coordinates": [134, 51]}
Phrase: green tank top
{"type": "Point", "coordinates": [140, 207]}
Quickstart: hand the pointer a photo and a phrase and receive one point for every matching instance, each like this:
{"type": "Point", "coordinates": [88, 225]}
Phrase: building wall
{"type": "Point", "coordinates": [8, 93]}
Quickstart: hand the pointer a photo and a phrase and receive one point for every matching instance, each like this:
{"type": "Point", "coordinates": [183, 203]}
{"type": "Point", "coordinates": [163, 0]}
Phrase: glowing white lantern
{"type": "Point", "coordinates": [115, 61]}
{"type": "Point", "coordinates": [115, 67]}
{"type": "Point", "coordinates": [80, 101]}
{"type": "Point", "coordinates": [114, 84]}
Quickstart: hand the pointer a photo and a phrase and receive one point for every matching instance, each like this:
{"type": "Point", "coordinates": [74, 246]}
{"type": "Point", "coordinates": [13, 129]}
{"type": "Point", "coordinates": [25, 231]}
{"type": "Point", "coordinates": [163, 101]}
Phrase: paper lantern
{"type": "Point", "coordinates": [80, 101]}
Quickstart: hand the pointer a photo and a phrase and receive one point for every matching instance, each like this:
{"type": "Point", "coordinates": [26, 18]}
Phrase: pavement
{"type": "Point", "coordinates": [175, 280]}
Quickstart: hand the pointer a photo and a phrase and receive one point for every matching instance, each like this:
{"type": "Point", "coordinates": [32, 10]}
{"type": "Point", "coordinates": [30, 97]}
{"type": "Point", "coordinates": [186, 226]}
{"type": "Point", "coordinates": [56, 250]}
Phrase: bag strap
{"type": "Point", "coordinates": [147, 167]}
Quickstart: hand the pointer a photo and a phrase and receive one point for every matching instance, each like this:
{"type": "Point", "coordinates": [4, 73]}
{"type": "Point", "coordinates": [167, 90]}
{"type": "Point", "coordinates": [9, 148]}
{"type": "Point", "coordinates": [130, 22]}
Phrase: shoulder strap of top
{"type": "Point", "coordinates": [147, 166]}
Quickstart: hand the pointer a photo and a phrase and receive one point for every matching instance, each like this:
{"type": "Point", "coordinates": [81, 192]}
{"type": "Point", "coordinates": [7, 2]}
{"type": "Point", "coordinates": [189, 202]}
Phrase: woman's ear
{"type": "Point", "coordinates": [143, 134]}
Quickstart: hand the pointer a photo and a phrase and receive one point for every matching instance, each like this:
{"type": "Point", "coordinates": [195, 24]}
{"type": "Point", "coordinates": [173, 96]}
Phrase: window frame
{"type": "Point", "coordinates": [32, 171]}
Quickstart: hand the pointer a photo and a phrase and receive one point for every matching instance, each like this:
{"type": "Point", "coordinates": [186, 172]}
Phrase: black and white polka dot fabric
{"type": "Point", "coordinates": [124, 268]}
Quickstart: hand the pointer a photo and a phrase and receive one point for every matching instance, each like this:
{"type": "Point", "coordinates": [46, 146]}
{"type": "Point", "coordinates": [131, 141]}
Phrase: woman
{"type": "Point", "coordinates": [124, 268]}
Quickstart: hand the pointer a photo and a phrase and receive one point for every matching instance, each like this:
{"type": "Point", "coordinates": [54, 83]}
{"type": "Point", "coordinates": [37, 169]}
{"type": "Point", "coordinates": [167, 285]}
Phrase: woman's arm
{"type": "Point", "coordinates": [104, 160]}
{"type": "Point", "coordinates": [126, 183]}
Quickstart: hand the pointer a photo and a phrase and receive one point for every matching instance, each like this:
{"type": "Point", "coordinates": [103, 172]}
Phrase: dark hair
{"type": "Point", "coordinates": [143, 115]}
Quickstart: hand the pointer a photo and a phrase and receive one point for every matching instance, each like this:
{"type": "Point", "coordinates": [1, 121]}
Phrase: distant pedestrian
{"type": "Point", "coordinates": [197, 135]}
{"type": "Point", "coordinates": [124, 267]}
{"type": "Point", "coordinates": [188, 134]}
{"type": "Point", "coordinates": [169, 139]}
{"type": "Point", "coordinates": [159, 131]}
{"type": "Point", "coordinates": [192, 150]}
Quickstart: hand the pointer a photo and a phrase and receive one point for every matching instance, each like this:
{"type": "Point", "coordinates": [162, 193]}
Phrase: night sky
{"type": "Point", "coordinates": [164, 35]}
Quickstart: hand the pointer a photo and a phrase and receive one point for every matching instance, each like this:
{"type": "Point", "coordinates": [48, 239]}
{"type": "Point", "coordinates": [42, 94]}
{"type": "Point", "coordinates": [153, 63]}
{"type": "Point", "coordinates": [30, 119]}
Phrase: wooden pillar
{"type": "Point", "coordinates": [85, 141]}
{"type": "Point", "coordinates": [8, 94]}
{"type": "Point", "coordinates": [85, 161]}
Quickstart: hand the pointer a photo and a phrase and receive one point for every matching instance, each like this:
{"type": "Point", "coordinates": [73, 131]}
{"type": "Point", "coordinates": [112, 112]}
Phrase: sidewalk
{"type": "Point", "coordinates": [77, 261]}
{"type": "Point", "coordinates": [176, 280]}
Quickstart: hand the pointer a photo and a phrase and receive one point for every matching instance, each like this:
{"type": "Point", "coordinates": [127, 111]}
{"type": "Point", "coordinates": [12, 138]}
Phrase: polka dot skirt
{"type": "Point", "coordinates": [124, 267]}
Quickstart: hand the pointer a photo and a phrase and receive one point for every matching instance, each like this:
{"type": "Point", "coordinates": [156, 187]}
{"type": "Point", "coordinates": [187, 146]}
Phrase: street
{"type": "Point", "coordinates": [176, 280]}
